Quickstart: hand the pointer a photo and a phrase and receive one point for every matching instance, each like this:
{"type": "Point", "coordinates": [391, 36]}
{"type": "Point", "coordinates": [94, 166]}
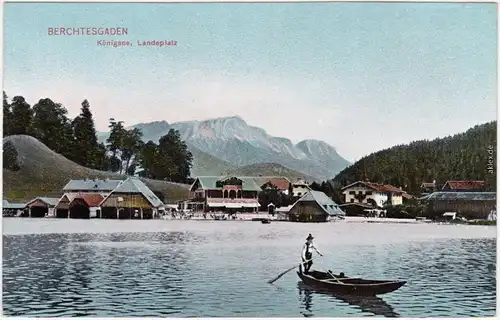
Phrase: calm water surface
{"type": "Point", "coordinates": [105, 268]}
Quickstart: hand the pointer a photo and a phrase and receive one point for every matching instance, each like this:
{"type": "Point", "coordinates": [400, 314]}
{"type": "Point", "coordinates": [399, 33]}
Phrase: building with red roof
{"type": "Point", "coordinates": [374, 194]}
{"type": "Point", "coordinates": [464, 186]}
{"type": "Point", "coordinates": [85, 205]}
{"type": "Point", "coordinates": [281, 183]}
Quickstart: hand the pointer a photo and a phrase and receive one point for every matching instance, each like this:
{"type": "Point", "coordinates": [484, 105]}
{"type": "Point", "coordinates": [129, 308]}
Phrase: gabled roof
{"type": "Point", "coordinates": [408, 196]}
{"type": "Point", "coordinates": [465, 184]}
{"type": "Point", "coordinates": [91, 199]}
{"type": "Point", "coordinates": [282, 183]}
{"type": "Point", "coordinates": [301, 182]}
{"type": "Point", "coordinates": [375, 186]}
{"type": "Point", "coordinates": [470, 196]}
{"type": "Point", "coordinates": [96, 185]}
{"type": "Point", "coordinates": [46, 200]}
{"type": "Point", "coordinates": [427, 185]}
{"type": "Point", "coordinates": [135, 185]}
{"type": "Point", "coordinates": [326, 204]}
{"type": "Point", "coordinates": [210, 182]}
{"type": "Point", "coordinates": [13, 206]}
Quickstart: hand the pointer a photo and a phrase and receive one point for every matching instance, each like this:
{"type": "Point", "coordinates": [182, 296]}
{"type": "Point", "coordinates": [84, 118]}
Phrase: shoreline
{"type": "Point", "coordinates": [256, 217]}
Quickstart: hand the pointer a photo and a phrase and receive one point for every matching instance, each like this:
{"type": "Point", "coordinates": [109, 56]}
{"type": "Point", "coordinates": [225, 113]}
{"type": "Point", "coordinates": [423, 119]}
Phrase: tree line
{"type": "Point", "coordinates": [465, 156]}
{"type": "Point", "coordinates": [123, 152]}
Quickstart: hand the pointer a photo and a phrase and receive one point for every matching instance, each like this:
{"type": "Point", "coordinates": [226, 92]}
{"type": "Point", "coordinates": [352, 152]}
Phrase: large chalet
{"type": "Point", "coordinates": [227, 194]}
{"type": "Point", "coordinates": [374, 194]}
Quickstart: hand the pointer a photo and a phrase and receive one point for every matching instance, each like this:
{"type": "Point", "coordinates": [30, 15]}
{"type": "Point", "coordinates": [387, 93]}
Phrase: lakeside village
{"type": "Point", "coordinates": [240, 198]}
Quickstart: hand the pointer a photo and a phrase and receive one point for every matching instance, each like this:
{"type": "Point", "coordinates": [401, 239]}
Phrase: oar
{"type": "Point", "coordinates": [288, 270]}
{"type": "Point", "coordinates": [334, 277]}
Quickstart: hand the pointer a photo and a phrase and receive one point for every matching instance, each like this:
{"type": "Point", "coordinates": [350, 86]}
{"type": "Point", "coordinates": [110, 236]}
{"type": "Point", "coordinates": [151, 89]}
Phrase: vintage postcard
{"type": "Point", "coordinates": [302, 159]}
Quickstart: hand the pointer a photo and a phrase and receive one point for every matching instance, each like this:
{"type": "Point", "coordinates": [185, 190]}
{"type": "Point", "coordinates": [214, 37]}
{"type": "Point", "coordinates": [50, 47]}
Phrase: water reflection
{"type": "Point", "coordinates": [374, 305]}
{"type": "Point", "coordinates": [77, 274]}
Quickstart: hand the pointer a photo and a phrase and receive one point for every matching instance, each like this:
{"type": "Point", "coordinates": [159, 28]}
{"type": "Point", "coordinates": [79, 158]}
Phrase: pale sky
{"type": "Point", "coordinates": [361, 77]}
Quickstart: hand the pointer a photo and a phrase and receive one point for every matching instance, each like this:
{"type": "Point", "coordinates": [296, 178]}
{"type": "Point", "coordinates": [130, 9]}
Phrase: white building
{"type": "Point", "coordinates": [300, 188]}
{"type": "Point", "coordinates": [372, 193]}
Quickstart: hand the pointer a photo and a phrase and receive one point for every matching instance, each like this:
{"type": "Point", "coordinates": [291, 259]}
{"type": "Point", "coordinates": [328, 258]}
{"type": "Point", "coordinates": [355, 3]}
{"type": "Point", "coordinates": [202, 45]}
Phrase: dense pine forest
{"type": "Point", "coordinates": [76, 139]}
{"type": "Point", "coordinates": [466, 156]}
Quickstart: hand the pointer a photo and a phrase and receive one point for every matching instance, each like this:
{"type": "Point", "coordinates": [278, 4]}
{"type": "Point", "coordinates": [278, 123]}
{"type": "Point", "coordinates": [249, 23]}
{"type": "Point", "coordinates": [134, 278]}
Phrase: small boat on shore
{"type": "Point", "coordinates": [265, 221]}
{"type": "Point", "coordinates": [341, 284]}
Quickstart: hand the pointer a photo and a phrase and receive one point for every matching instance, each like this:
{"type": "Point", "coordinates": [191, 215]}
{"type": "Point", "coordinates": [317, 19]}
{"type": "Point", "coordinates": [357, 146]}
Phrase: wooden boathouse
{"type": "Point", "coordinates": [85, 206]}
{"type": "Point", "coordinates": [10, 209]}
{"type": "Point", "coordinates": [131, 199]}
{"type": "Point", "coordinates": [470, 205]}
{"type": "Point", "coordinates": [78, 188]}
{"type": "Point", "coordinates": [112, 199]}
{"type": "Point", "coordinates": [41, 207]}
{"type": "Point", "coordinates": [314, 206]}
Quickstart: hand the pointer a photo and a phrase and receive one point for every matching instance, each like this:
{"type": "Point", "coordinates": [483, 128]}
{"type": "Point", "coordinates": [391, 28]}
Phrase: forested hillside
{"type": "Point", "coordinates": [75, 139]}
{"type": "Point", "coordinates": [470, 155]}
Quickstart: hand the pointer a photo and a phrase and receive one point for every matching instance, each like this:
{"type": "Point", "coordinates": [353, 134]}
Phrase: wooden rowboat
{"type": "Point", "coordinates": [345, 285]}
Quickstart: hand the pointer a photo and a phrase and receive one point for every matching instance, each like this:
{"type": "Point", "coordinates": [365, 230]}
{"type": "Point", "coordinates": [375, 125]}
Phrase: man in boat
{"type": "Point", "coordinates": [307, 253]}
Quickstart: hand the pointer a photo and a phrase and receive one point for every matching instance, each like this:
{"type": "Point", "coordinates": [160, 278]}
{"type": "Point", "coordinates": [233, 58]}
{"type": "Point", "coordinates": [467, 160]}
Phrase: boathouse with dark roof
{"type": "Point", "coordinates": [470, 205]}
{"type": "Point", "coordinates": [13, 209]}
{"type": "Point", "coordinates": [41, 207]}
{"type": "Point", "coordinates": [314, 206]}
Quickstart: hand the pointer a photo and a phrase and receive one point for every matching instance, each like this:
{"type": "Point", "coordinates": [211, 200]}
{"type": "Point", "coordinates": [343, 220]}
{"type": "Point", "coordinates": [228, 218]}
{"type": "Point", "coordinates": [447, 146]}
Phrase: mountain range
{"type": "Point", "coordinates": [230, 145]}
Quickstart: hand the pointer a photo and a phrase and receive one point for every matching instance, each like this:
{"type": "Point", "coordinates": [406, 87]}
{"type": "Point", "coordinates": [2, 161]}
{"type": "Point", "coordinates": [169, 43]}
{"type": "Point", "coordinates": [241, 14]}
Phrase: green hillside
{"type": "Point", "coordinates": [205, 164]}
{"type": "Point", "coordinates": [43, 172]}
{"type": "Point", "coordinates": [270, 169]}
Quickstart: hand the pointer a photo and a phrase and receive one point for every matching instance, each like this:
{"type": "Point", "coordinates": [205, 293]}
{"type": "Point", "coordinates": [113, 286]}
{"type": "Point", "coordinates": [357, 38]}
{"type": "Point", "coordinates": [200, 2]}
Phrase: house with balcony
{"type": "Point", "coordinates": [229, 194]}
{"type": "Point", "coordinates": [373, 194]}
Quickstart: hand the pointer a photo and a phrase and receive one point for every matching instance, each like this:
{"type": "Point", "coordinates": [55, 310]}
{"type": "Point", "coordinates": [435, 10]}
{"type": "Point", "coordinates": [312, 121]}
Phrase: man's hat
{"type": "Point", "coordinates": [310, 237]}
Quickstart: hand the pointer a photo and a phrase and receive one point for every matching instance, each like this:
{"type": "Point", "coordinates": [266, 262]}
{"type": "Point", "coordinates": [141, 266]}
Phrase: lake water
{"type": "Point", "coordinates": [55, 268]}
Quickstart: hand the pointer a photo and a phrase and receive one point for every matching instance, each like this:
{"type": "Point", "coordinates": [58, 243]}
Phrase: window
{"type": "Point", "coordinates": [352, 192]}
{"type": "Point", "coordinates": [369, 193]}
{"type": "Point", "coordinates": [352, 200]}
